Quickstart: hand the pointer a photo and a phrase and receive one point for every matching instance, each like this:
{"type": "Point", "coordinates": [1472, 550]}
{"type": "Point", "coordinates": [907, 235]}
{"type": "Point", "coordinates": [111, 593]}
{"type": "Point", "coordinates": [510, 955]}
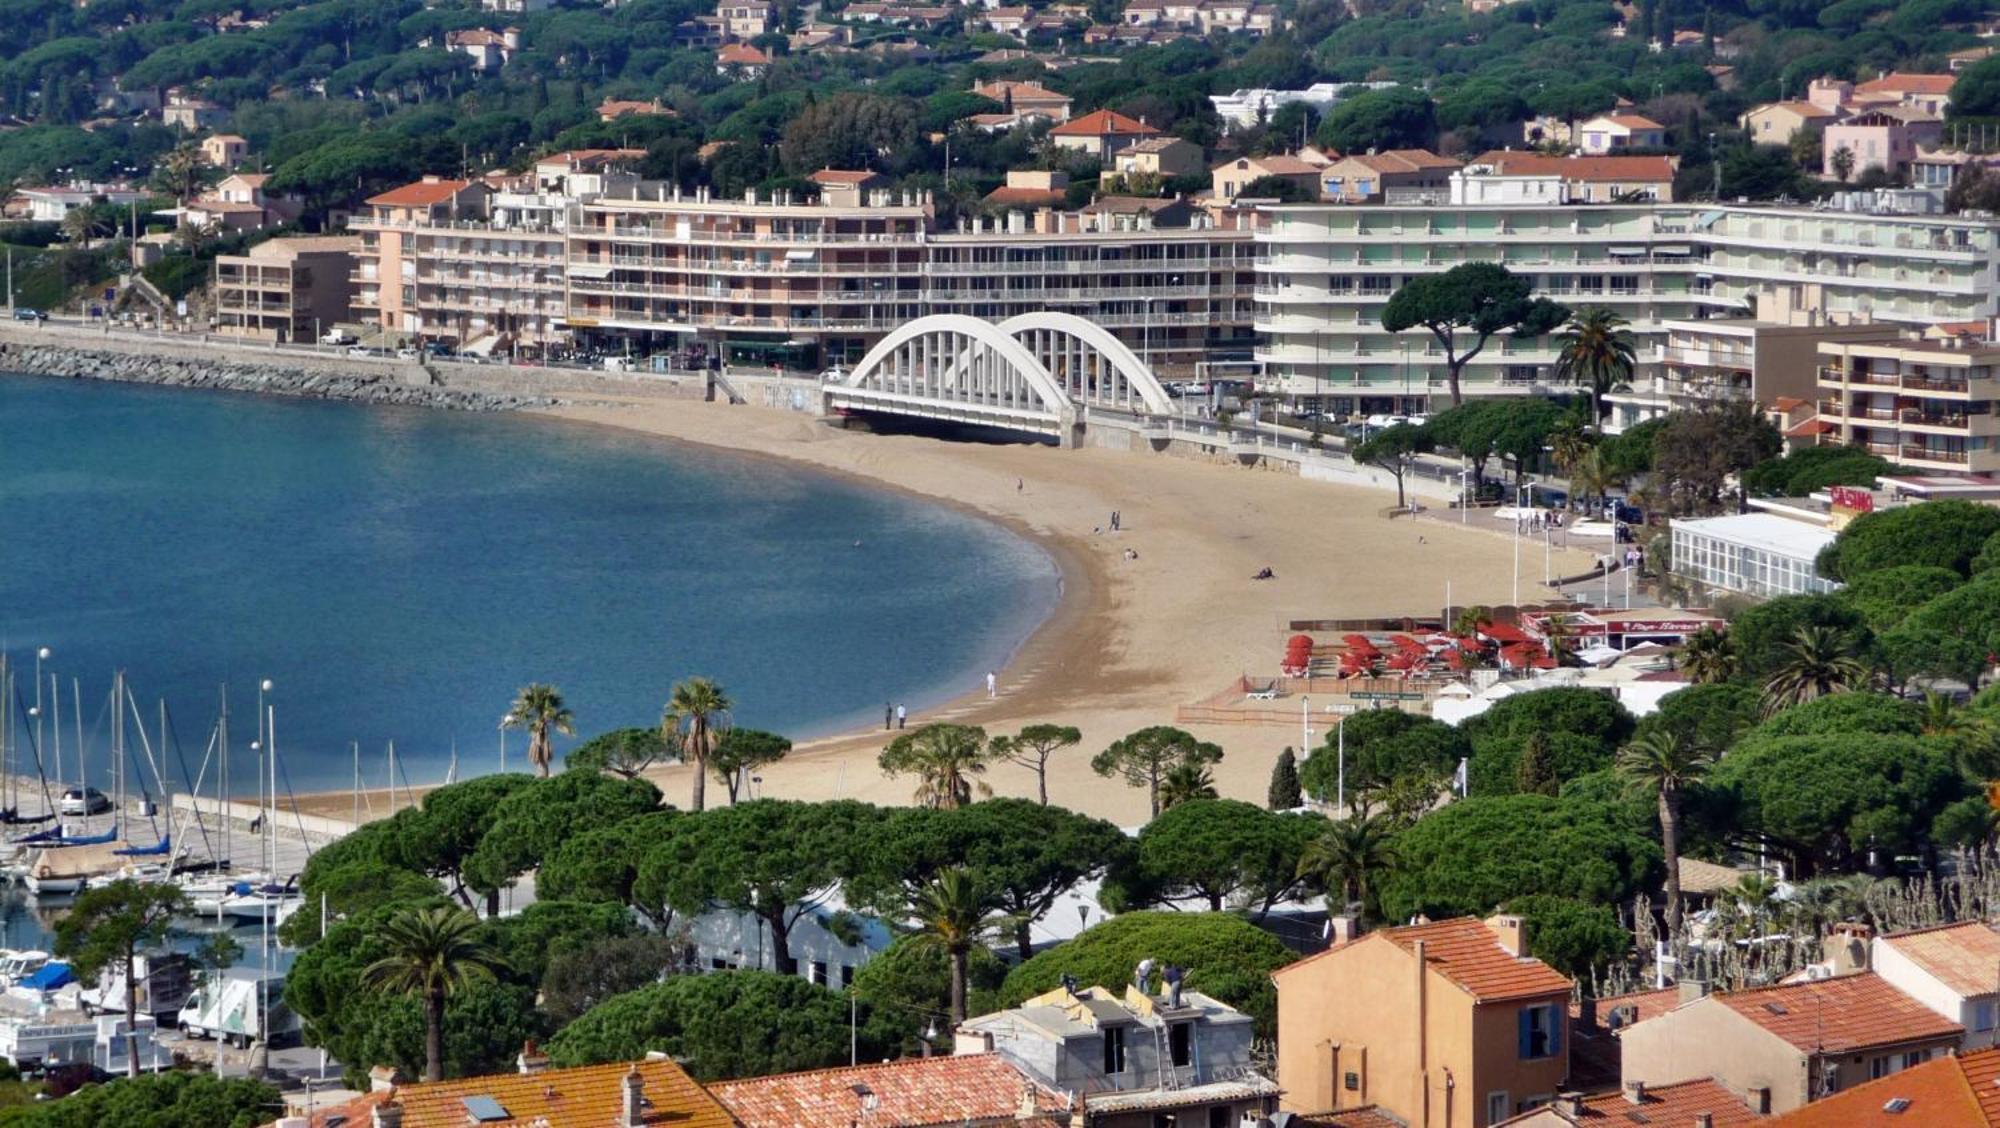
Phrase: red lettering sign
{"type": "Point", "coordinates": [1854, 498]}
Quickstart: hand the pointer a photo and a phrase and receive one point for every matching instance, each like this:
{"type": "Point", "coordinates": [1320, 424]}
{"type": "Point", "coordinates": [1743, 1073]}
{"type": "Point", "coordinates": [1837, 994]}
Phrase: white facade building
{"type": "Point", "coordinates": [1754, 553]}
{"type": "Point", "coordinates": [1241, 109]}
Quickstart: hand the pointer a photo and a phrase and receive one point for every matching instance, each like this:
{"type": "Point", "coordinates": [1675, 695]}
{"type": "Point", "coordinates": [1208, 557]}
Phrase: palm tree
{"type": "Point", "coordinates": [696, 714]}
{"type": "Point", "coordinates": [1590, 477]}
{"type": "Point", "coordinates": [1974, 739]}
{"type": "Point", "coordinates": [1595, 351]}
{"type": "Point", "coordinates": [955, 914]}
{"type": "Point", "coordinates": [1185, 782]}
{"type": "Point", "coordinates": [1708, 657]}
{"type": "Point", "coordinates": [539, 708]}
{"type": "Point", "coordinates": [1668, 763]}
{"type": "Point", "coordinates": [1345, 856]}
{"type": "Point", "coordinates": [433, 953]}
{"type": "Point", "coordinates": [1819, 661]}
{"type": "Point", "coordinates": [944, 758]}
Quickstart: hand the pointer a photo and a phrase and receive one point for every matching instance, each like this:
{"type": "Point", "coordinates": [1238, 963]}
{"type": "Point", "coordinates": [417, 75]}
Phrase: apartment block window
{"type": "Point", "coordinates": [1540, 1031]}
{"type": "Point", "coordinates": [1497, 1108]}
{"type": "Point", "coordinates": [1114, 1050]}
{"type": "Point", "coordinates": [819, 973]}
{"type": "Point", "coordinates": [1180, 1042]}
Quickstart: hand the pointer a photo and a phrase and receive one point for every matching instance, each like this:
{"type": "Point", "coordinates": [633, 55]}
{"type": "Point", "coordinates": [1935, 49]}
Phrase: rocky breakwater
{"type": "Point", "coordinates": [223, 373]}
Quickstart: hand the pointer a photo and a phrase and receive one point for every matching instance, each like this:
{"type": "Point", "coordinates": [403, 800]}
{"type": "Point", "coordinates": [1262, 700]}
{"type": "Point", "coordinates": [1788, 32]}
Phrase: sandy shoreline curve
{"type": "Point", "coordinates": [1156, 615]}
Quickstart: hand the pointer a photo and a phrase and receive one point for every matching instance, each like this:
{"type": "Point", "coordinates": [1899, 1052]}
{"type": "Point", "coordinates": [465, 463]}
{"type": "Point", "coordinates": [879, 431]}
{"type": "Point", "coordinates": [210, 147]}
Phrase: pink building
{"type": "Point", "coordinates": [1884, 138]}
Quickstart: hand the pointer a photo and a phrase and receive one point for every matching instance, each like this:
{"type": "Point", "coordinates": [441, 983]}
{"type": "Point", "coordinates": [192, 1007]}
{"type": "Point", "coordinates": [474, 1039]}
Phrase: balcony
{"type": "Point", "coordinates": [1932, 384]}
{"type": "Point", "coordinates": [1931, 454]}
{"type": "Point", "coordinates": [1832, 409]}
{"type": "Point", "coordinates": [1696, 357]}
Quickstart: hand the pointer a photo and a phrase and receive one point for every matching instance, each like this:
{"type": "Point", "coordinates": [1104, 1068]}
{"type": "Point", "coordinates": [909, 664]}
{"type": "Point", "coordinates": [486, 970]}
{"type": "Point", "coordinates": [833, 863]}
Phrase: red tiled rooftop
{"type": "Point", "coordinates": [969, 1088]}
{"type": "Point", "coordinates": [1899, 83]}
{"type": "Point", "coordinates": [422, 193]}
{"type": "Point", "coordinates": [1655, 168]}
{"type": "Point", "coordinates": [1469, 954]}
{"type": "Point", "coordinates": [1673, 1104]}
{"type": "Point", "coordinates": [1645, 1004]}
{"type": "Point", "coordinates": [1840, 1015]}
{"type": "Point", "coordinates": [1965, 957]}
{"type": "Point", "coordinates": [589, 1096]}
{"type": "Point", "coordinates": [1099, 123]}
{"type": "Point", "coordinates": [1370, 1117]}
{"type": "Point", "coordinates": [845, 176]}
{"type": "Point", "coordinates": [742, 54]}
{"type": "Point", "coordinates": [1945, 1092]}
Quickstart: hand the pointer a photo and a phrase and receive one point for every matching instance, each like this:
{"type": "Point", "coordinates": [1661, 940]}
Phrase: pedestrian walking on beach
{"type": "Point", "coordinates": [1018, 486]}
{"type": "Point", "coordinates": [902, 715]}
{"type": "Point", "coordinates": [992, 684]}
{"type": "Point", "coordinates": [888, 716]}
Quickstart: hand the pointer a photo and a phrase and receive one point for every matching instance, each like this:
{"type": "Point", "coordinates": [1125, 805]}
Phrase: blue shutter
{"type": "Point", "coordinates": [1557, 1020]}
{"type": "Point", "coordinates": [1527, 1033]}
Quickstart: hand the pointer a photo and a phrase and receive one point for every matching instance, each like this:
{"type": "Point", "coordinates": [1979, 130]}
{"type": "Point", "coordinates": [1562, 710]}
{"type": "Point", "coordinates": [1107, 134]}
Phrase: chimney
{"type": "Point", "coordinates": [1847, 947]}
{"type": "Point", "coordinates": [1569, 1105]}
{"type": "Point", "coordinates": [388, 1114]}
{"type": "Point", "coordinates": [1692, 988]}
{"type": "Point", "coordinates": [1030, 1107]}
{"type": "Point", "coordinates": [382, 1079]}
{"type": "Point", "coordinates": [1512, 932]}
{"type": "Point", "coordinates": [531, 1060]}
{"type": "Point", "coordinates": [1343, 929]}
{"type": "Point", "coordinates": [1635, 1092]}
{"type": "Point", "coordinates": [632, 1102]}
{"type": "Point", "coordinates": [1760, 1100]}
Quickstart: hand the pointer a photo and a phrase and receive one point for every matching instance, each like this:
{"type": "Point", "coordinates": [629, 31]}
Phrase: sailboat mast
{"type": "Point", "coordinates": [222, 779]}
{"type": "Point", "coordinates": [55, 706]}
{"type": "Point", "coordinates": [357, 785]}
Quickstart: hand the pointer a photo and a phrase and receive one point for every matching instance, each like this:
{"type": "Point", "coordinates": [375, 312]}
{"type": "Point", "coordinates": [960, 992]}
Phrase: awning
{"type": "Point", "coordinates": [1707, 219]}
{"type": "Point", "coordinates": [590, 272]}
{"type": "Point", "coordinates": [484, 346]}
{"type": "Point", "coordinates": [1628, 250]}
{"type": "Point", "coordinates": [801, 256]}
{"type": "Point", "coordinates": [1674, 249]}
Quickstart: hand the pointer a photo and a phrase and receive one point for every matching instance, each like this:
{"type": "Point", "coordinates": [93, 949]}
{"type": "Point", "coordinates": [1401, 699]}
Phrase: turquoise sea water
{"type": "Point", "coordinates": [398, 573]}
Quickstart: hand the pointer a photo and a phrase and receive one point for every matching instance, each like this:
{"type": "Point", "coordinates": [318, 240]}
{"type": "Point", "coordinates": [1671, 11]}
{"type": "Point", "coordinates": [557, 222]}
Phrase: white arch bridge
{"type": "Point", "coordinates": [1034, 373]}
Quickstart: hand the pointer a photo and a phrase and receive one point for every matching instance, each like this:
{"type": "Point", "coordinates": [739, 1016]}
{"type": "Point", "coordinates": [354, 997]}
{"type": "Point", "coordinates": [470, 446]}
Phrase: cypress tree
{"type": "Point", "coordinates": [1284, 792]}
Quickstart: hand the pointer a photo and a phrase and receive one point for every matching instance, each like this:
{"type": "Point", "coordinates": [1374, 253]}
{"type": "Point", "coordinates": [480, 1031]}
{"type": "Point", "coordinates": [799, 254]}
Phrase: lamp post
{"type": "Point", "coordinates": [1305, 725]}
{"type": "Point", "coordinates": [1340, 761]}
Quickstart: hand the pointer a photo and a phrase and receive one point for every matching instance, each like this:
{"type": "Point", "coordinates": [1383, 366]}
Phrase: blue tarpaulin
{"type": "Point", "coordinates": [50, 976]}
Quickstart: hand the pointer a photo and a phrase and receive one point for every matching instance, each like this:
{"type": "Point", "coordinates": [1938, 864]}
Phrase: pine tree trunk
{"type": "Point", "coordinates": [131, 1019]}
{"type": "Point", "coordinates": [781, 946]}
{"type": "Point", "coordinates": [958, 976]}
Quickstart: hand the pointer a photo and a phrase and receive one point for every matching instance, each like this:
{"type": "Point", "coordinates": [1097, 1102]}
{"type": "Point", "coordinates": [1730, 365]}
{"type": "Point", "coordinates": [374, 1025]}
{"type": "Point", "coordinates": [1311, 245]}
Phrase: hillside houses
{"type": "Point", "coordinates": [1883, 124]}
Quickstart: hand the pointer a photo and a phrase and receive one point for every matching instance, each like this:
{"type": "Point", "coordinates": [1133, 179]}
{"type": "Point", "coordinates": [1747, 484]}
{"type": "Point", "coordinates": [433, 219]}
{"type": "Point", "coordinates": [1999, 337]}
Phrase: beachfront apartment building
{"type": "Point", "coordinates": [1765, 360]}
{"type": "Point", "coordinates": [284, 290]}
{"type": "Point", "coordinates": [639, 268]}
{"type": "Point", "coordinates": [455, 262]}
{"type": "Point", "coordinates": [1325, 272]}
{"type": "Point", "coordinates": [1929, 404]}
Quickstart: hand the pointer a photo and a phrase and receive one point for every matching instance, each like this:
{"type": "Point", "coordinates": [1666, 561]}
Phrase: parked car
{"type": "Point", "coordinates": [336, 337]}
{"type": "Point", "coordinates": [409, 354]}
{"type": "Point", "coordinates": [83, 801]}
{"type": "Point", "coordinates": [23, 313]}
{"type": "Point", "coordinates": [360, 350]}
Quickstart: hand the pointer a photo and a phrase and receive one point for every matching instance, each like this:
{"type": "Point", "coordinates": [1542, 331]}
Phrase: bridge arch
{"type": "Point", "coordinates": [1067, 345]}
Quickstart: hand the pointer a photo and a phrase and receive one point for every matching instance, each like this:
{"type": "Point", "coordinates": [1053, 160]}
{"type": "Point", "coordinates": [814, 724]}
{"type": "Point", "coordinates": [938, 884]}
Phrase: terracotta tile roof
{"type": "Point", "coordinates": [590, 1096]}
{"type": "Point", "coordinates": [1278, 165]}
{"type": "Point", "coordinates": [1840, 1015]}
{"type": "Point", "coordinates": [1032, 196]}
{"type": "Point", "coordinates": [1676, 1104]}
{"type": "Point", "coordinates": [1370, 1117]}
{"type": "Point", "coordinates": [1945, 1092]}
{"type": "Point", "coordinates": [1803, 109]}
{"type": "Point", "coordinates": [1701, 877]}
{"type": "Point", "coordinates": [1508, 163]}
{"type": "Point", "coordinates": [858, 177]}
{"type": "Point", "coordinates": [1811, 427]}
{"type": "Point", "coordinates": [741, 54]}
{"type": "Point", "coordinates": [1100, 123]}
{"type": "Point", "coordinates": [1468, 953]}
{"type": "Point", "coordinates": [475, 37]}
{"type": "Point", "coordinates": [1153, 145]}
{"type": "Point", "coordinates": [1964, 957]}
{"type": "Point", "coordinates": [1908, 84]}
{"type": "Point", "coordinates": [1402, 160]}
{"type": "Point", "coordinates": [588, 158]}
{"type": "Point", "coordinates": [1786, 403]}
{"type": "Point", "coordinates": [423, 193]}
{"type": "Point", "coordinates": [1633, 121]}
{"type": "Point", "coordinates": [914, 1091]}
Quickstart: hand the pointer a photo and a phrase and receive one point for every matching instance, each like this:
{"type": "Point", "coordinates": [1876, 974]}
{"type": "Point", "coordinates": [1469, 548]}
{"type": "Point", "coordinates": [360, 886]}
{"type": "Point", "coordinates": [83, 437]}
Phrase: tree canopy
{"type": "Point", "coordinates": [1474, 855]}
{"type": "Point", "coordinates": [719, 1026]}
{"type": "Point", "coordinates": [1215, 851]}
{"type": "Point", "coordinates": [1226, 957]}
{"type": "Point", "coordinates": [1942, 534]}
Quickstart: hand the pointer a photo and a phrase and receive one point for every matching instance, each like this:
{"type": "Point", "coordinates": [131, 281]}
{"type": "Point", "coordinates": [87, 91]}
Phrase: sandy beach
{"type": "Point", "coordinates": [1133, 637]}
